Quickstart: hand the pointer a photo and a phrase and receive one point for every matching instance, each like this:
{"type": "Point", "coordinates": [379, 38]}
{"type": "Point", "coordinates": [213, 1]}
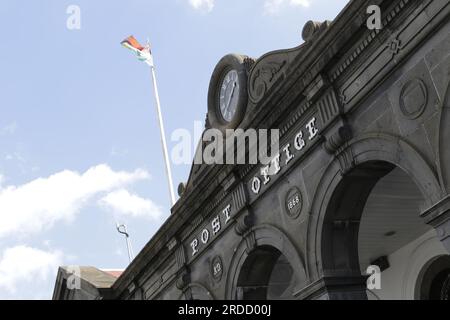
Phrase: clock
{"type": "Point", "coordinates": [227, 96]}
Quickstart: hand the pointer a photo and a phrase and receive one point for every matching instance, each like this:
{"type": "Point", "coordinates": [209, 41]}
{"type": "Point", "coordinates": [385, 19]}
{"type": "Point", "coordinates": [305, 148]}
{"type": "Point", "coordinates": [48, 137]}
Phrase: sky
{"type": "Point", "coordinates": [79, 140]}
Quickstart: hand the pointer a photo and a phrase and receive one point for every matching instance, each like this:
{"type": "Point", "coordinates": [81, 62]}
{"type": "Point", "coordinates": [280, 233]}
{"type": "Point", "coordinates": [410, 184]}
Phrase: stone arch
{"type": "Point", "coordinates": [434, 279]}
{"type": "Point", "coordinates": [196, 291]}
{"type": "Point", "coordinates": [259, 237]}
{"type": "Point", "coordinates": [376, 154]}
{"type": "Point", "coordinates": [419, 261]}
{"type": "Point", "coordinates": [443, 154]}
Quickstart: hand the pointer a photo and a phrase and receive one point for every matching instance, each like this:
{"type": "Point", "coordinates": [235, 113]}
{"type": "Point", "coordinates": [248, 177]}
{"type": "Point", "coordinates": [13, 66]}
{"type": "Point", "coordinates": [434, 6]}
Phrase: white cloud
{"type": "Point", "coordinates": [125, 204]}
{"type": "Point", "coordinates": [274, 6]}
{"type": "Point", "coordinates": [15, 156]}
{"type": "Point", "coordinates": [203, 5]}
{"type": "Point", "coordinates": [270, 6]}
{"type": "Point", "coordinates": [118, 152]}
{"type": "Point", "coordinates": [24, 266]}
{"type": "Point", "coordinates": [303, 3]}
{"type": "Point", "coordinates": [9, 129]}
{"type": "Point", "coordinates": [39, 204]}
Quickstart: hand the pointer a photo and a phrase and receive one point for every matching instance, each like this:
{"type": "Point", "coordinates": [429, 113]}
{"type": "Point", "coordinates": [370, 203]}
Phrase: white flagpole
{"type": "Point", "coordinates": [146, 56]}
{"type": "Point", "coordinates": [163, 136]}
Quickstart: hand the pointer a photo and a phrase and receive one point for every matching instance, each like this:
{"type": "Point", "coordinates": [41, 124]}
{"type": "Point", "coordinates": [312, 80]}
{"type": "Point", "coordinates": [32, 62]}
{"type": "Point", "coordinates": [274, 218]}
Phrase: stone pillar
{"type": "Point", "coordinates": [335, 288]}
{"type": "Point", "coordinates": [438, 216]}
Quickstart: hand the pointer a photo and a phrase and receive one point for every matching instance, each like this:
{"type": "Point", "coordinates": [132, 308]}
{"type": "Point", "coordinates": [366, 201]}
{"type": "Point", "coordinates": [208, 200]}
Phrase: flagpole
{"type": "Point", "coordinates": [163, 136]}
{"type": "Point", "coordinates": [144, 54]}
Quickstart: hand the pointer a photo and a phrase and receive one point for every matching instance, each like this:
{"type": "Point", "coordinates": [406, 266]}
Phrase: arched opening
{"type": "Point", "coordinates": [195, 292]}
{"type": "Point", "coordinates": [265, 265]}
{"type": "Point", "coordinates": [265, 274]}
{"type": "Point", "coordinates": [373, 219]}
{"type": "Point", "coordinates": [434, 280]}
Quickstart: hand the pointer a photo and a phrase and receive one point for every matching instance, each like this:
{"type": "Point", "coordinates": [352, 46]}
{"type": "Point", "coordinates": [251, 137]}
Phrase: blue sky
{"type": "Point", "coordinates": [79, 141]}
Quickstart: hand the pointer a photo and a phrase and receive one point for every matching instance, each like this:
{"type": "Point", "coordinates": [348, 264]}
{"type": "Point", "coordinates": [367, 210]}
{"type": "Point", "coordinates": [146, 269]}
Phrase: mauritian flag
{"type": "Point", "coordinates": [143, 53]}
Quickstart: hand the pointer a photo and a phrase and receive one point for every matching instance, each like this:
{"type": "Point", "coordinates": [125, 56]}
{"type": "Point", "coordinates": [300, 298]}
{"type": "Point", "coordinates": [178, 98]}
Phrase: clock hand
{"type": "Point", "coordinates": [231, 97]}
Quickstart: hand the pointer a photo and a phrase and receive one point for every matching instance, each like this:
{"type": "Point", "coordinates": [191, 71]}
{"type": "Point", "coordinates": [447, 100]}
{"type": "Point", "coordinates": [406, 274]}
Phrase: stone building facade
{"type": "Point", "coordinates": [362, 177]}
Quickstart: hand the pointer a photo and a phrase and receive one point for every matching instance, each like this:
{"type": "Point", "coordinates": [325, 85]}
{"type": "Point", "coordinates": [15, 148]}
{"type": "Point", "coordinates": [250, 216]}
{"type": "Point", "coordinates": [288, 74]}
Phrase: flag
{"type": "Point", "coordinates": [143, 53]}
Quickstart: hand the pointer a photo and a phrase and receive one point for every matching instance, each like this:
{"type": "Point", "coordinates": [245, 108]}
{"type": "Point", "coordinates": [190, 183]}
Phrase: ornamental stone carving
{"type": "Point", "coordinates": [270, 68]}
{"type": "Point", "coordinates": [413, 98]}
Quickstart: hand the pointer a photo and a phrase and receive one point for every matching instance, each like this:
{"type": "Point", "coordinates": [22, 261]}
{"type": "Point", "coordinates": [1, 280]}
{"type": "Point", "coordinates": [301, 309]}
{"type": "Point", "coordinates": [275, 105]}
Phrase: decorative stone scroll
{"type": "Point", "coordinates": [272, 67]}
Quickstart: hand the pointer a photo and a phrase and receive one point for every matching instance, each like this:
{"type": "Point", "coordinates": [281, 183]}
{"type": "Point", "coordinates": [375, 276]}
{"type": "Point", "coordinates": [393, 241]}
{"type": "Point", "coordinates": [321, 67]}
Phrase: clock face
{"type": "Point", "coordinates": [229, 95]}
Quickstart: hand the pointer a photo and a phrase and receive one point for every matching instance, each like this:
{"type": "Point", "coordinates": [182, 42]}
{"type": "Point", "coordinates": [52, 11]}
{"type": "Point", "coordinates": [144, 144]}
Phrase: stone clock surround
{"type": "Point", "coordinates": [381, 99]}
